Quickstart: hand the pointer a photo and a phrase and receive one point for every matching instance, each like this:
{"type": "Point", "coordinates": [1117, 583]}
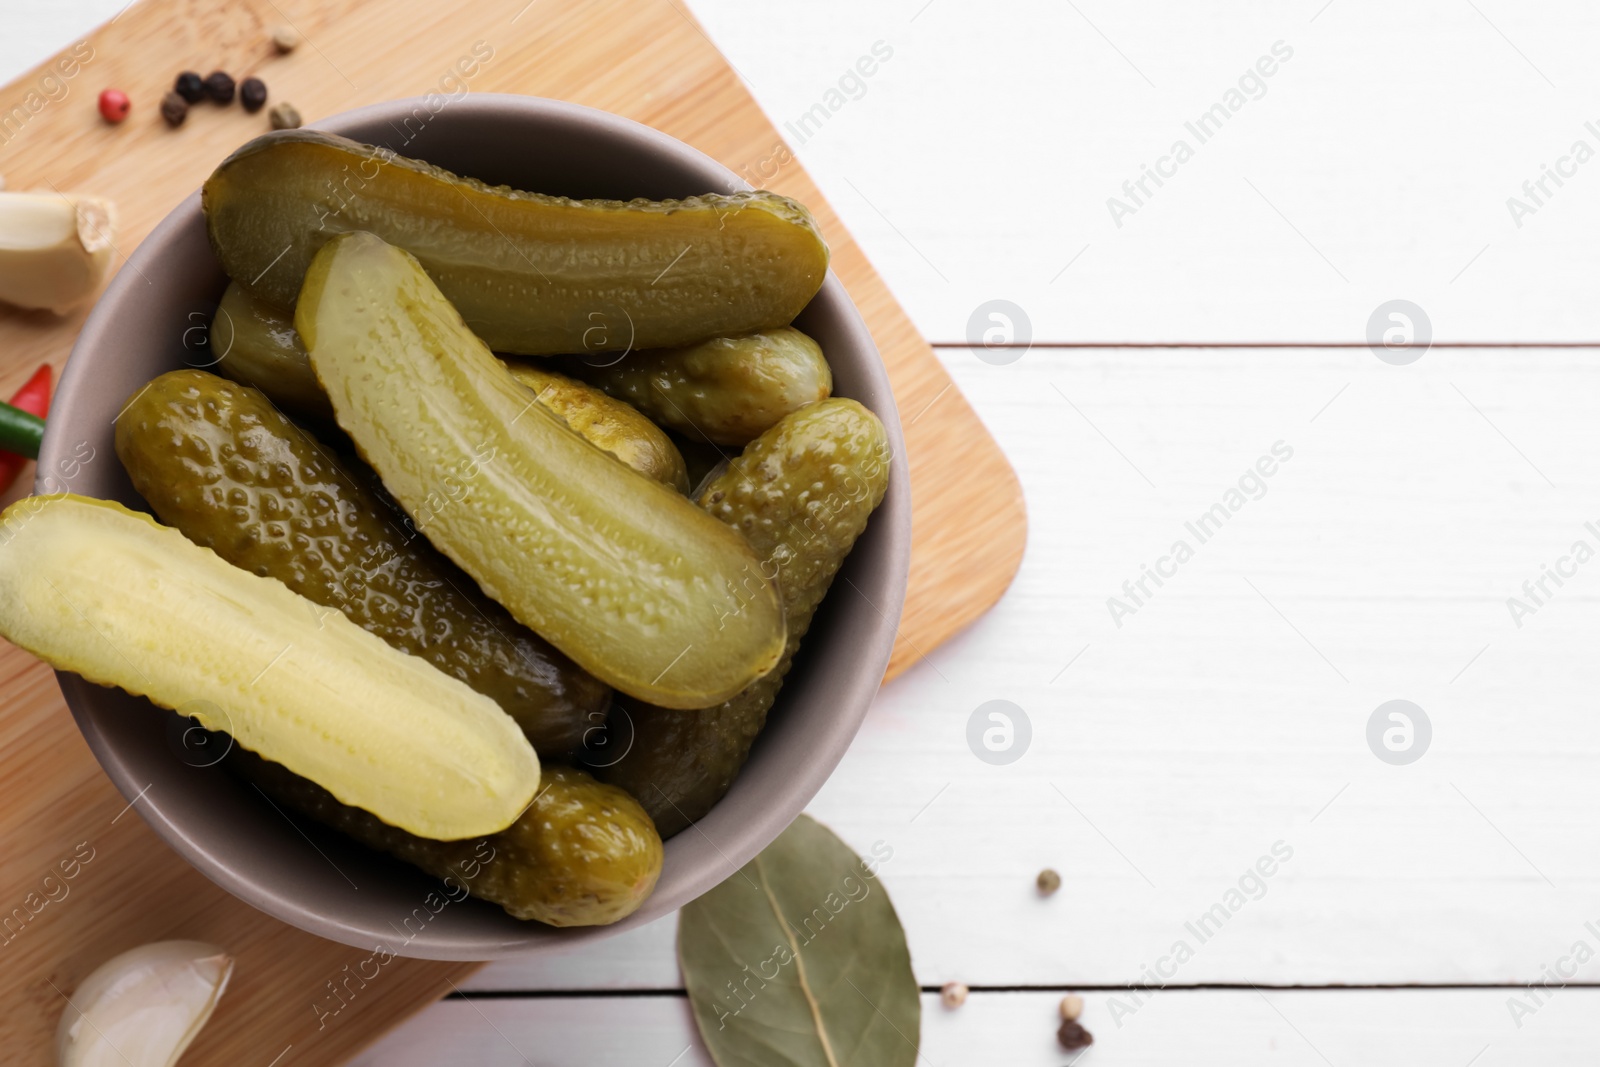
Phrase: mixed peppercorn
{"type": "Point", "coordinates": [218, 87]}
{"type": "Point", "coordinates": [114, 105]}
{"type": "Point", "coordinates": [1072, 1035]}
{"type": "Point", "coordinates": [252, 94]}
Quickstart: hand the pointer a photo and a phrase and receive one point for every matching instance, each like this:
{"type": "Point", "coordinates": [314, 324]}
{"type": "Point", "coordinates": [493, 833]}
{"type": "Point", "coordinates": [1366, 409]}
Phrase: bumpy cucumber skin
{"type": "Point", "coordinates": [628, 578]}
{"type": "Point", "coordinates": [583, 854]}
{"type": "Point", "coordinates": [217, 461]}
{"type": "Point", "coordinates": [255, 344]}
{"type": "Point", "coordinates": [801, 494]}
{"type": "Point", "coordinates": [613, 425]}
{"type": "Point", "coordinates": [727, 391]}
{"type": "Point", "coordinates": [532, 274]}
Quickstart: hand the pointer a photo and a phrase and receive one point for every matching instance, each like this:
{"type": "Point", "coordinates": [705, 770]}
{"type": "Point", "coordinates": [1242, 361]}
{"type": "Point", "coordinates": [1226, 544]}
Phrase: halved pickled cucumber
{"type": "Point", "coordinates": [532, 274]}
{"type": "Point", "coordinates": [728, 390]}
{"type": "Point", "coordinates": [91, 587]}
{"type": "Point", "coordinates": [583, 854]}
{"type": "Point", "coordinates": [255, 343]}
{"type": "Point", "coordinates": [217, 461]}
{"type": "Point", "coordinates": [613, 425]}
{"type": "Point", "coordinates": [801, 494]}
{"type": "Point", "coordinates": [628, 578]}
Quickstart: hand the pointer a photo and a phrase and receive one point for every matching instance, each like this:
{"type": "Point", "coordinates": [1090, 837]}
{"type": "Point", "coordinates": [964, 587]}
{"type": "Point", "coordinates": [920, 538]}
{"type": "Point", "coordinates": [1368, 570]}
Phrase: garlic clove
{"type": "Point", "coordinates": [55, 250]}
{"type": "Point", "coordinates": [142, 1008]}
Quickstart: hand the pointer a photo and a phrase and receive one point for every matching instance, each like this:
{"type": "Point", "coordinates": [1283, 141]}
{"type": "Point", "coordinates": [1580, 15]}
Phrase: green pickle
{"type": "Point", "coordinates": [624, 575]}
{"type": "Point", "coordinates": [614, 426]}
{"type": "Point", "coordinates": [110, 594]}
{"type": "Point", "coordinates": [801, 494]}
{"type": "Point", "coordinates": [727, 391]}
{"type": "Point", "coordinates": [582, 854]}
{"type": "Point", "coordinates": [533, 274]}
{"type": "Point", "coordinates": [216, 460]}
{"type": "Point", "coordinates": [255, 343]}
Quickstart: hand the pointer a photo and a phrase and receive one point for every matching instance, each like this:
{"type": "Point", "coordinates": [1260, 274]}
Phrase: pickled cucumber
{"type": "Point", "coordinates": [532, 274]}
{"type": "Point", "coordinates": [91, 587]}
{"type": "Point", "coordinates": [628, 578]}
{"type": "Point", "coordinates": [801, 493]}
{"type": "Point", "coordinates": [217, 461]}
{"type": "Point", "coordinates": [612, 425]}
{"type": "Point", "coordinates": [255, 343]}
{"type": "Point", "coordinates": [583, 854]}
{"type": "Point", "coordinates": [728, 391]}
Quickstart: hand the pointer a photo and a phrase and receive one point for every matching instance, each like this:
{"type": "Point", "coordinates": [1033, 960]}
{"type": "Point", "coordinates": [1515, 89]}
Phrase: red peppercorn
{"type": "Point", "coordinates": [114, 105]}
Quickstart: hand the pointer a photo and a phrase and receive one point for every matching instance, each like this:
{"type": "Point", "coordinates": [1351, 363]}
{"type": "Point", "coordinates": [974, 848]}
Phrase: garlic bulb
{"type": "Point", "coordinates": [142, 1008]}
{"type": "Point", "coordinates": [54, 250]}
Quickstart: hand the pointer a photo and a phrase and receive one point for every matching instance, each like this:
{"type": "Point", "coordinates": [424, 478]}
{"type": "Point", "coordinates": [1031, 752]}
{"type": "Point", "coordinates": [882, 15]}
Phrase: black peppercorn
{"type": "Point", "coordinates": [190, 86]}
{"type": "Point", "coordinates": [252, 94]}
{"type": "Point", "coordinates": [219, 87]}
{"type": "Point", "coordinates": [174, 108]}
{"type": "Point", "coordinates": [1073, 1037]}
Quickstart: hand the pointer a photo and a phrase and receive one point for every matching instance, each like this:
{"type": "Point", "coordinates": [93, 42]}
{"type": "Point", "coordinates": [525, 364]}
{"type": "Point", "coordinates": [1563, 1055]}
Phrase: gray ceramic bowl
{"type": "Point", "coordinates": [318, 880]}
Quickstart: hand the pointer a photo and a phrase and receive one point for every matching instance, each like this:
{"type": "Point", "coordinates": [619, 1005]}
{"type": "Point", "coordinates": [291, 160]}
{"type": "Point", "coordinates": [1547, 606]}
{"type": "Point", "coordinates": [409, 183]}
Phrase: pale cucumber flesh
{"type": "Point", "coordinates": [91, 587]}
{"type": "Point", "coordinates": [624, 575]}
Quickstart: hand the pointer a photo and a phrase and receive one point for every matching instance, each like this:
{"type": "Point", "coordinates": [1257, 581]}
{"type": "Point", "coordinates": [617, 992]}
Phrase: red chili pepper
{"type": "Point", "coordinates": [34, 398]}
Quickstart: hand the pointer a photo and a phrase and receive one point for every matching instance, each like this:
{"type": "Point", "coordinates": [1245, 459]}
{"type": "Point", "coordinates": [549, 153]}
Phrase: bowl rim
{"type": "Point", "coordinates": [789, 793]}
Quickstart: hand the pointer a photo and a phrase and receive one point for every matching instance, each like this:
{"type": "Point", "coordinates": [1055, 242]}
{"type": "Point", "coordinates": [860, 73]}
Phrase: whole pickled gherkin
{"type": "Point", "coordinates": [613, 425]}
{"type": "Point", "coordinates": [582, 854]}
{"type": "Point", "coordinates": [217, 461]}
{"type": "Point", "coordinates": [621, 573]}
{"type": "Point", "coordinates": [533, 274]}
{"type": "Point", "coordinates": [801, 494]}
{"type": "Point", "coordinates": [255, 343]}
{"type": "Point", "coordinates": [727, 391]}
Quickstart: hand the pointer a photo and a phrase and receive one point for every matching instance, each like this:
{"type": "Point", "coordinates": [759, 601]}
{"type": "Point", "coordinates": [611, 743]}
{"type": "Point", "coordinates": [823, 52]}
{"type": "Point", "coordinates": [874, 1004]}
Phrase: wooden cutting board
{"type": "Point", "coordinates": [646, 59]}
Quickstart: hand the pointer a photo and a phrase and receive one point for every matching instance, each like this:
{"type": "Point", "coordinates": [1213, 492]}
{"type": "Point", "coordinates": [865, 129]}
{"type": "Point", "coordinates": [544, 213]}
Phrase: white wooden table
{"type": "Point", "coordinates": [1227, 713]}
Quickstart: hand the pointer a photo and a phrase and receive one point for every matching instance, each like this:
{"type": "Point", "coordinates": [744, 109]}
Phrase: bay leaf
{"type": "Point", "coordinates": [799, 960]}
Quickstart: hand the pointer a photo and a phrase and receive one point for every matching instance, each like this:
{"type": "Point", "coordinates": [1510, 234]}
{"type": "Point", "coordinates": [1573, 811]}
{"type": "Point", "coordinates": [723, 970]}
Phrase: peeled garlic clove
{"type": "Point", "coordinates": [142, 1008]}
{"type": "Point", "coordinates": [54, 249]}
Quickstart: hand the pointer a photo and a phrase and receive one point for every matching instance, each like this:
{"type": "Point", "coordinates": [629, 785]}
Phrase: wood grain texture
{"type": "Point", "coordinates": [1205, 728]}
{"type": "Point", "coordinates": [1181, 746]}
{"type": "Point", "coordinates": [1391, 141]}
{"type": "Point", "coordinates": [645, 59]}
{"type": "Point", "coordinates": [1376, 163]}
{"type": "Point", "coordinates": [1225, 1028]}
